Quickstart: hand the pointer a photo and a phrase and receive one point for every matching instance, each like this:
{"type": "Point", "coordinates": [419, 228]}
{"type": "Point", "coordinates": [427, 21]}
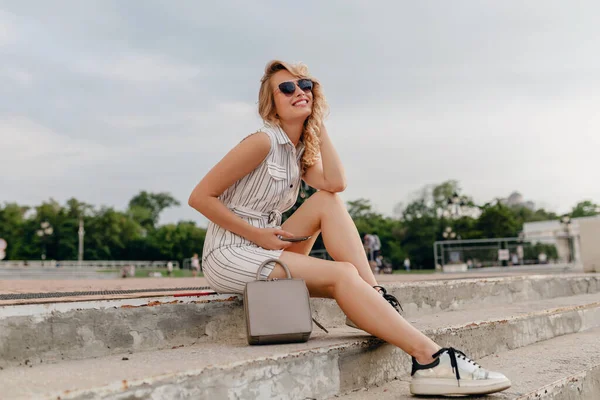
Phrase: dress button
{"type": "Point", "coordinates": [292, 185]}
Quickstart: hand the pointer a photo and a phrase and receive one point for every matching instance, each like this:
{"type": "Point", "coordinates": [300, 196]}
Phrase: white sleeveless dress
{"type": "Point", "coordinates": [230, 261]}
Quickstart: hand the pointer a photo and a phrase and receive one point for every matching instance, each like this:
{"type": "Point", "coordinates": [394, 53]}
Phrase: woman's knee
{"type": "Point", "coordinates": [328, 197]}
{"type": "Point", "coordinates": [342, 274]}
{"type": "Point", "coordinates": [347, 270]}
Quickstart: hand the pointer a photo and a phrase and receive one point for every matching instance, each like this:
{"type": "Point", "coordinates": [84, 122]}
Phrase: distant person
{"type": "Point", "coordinates": [379, 264]}
{"type": "Point", "coordinates": [245, 194]}
{"type": "Point", "coordinates": [407, 264]}
{"type": "Point", "coordinates": [169, 268]}
{"type": "Point", "coordinates": [387, 267]}
{"type": "Point", "coordinates": [369, 244]}
{"type": "Point", "coordinates": [376, 245]}
{"type": "Point", "coordinates": [195, 265]}
{"type": "Point", "coordinates": [514, 259]}
{"type": "Point", "coordinates": [127, 270]}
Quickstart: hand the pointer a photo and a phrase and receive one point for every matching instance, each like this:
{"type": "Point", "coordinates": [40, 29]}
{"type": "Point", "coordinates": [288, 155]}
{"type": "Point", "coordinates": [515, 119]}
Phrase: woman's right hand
{"type": "Point", "coordinates": [268, 238]}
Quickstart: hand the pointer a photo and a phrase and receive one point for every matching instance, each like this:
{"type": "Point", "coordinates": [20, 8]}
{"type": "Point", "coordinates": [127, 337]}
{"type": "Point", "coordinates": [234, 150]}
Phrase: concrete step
{"type": "Point", "coordinates": [323, 367]}
{"type": "Point", "coordinates": [566, 367]}
{"type": "Point", "coordinates": [86, 329]}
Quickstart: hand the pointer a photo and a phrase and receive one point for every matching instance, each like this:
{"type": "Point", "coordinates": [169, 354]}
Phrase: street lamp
{"type": "Point", "coordinates": [449, 233]}
{"type": "Point", "coordinates": [81, 234]}
{"type": "Point", "coordinates": [566, 221]}
{"type": "Point", "coordinates": [455, 204]}
{"type": "Point", "coordinates": [45, 231]}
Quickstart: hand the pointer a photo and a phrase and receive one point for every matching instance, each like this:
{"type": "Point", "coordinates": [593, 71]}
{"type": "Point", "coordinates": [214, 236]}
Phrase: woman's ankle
{"type": "Point", "coordinates": [425, 356]}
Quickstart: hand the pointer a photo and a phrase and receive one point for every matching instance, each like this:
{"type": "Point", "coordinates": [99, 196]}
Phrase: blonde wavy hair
{"type": "Point", "coordinates": [311, 131]}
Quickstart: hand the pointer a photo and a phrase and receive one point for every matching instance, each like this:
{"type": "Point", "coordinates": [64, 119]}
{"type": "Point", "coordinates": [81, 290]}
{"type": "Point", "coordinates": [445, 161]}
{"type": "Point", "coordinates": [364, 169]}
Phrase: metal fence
{"type": "Point", "coordinates": [478, 253]}
{"type": "Point", "coordinates": [321, 253]}
{"type": "Point", "coordinates": [108, 264]}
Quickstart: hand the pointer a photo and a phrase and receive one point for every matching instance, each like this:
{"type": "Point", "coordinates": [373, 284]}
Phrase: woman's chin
{"type": "Point", "coordinates": [304, 113]}
{"type": "Point", "coordinates": [297, 115]}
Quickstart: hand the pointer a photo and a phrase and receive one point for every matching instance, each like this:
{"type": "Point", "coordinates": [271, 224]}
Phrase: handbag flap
{"type": "Point", "coordinates": [277, 307]}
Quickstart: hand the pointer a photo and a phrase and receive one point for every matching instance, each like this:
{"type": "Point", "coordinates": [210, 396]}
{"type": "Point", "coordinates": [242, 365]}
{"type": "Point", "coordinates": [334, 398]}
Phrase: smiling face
{"type": "Point", "coordinates": [292, 106]}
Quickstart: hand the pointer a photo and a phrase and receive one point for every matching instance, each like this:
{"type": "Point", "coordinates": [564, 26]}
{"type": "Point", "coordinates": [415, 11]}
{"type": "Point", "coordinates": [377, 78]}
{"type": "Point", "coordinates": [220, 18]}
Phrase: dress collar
{"type": "Point", "coordinates": [281, 136]}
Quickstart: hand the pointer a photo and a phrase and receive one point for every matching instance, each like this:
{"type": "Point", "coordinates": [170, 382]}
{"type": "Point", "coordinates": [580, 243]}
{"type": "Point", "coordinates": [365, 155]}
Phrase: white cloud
{"type": "Point", "coordinates": [19, 76]}
{"type": "Point", "coordinates": [8, 30]}
{"type": "Point", "coordinates": [31, 151]}
{"type": "Point", "coordinates": [140, 68]}
{"type": "Point", "coordinates": [499, 96]}
{"type": "Point", "coordinates": [237, 109]}
{"type": "Point", "coordinates": [229, 121]}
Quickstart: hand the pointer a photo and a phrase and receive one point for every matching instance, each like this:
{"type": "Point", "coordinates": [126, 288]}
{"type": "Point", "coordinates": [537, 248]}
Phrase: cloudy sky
{"type": "Point", "coordinates": [102, 99]}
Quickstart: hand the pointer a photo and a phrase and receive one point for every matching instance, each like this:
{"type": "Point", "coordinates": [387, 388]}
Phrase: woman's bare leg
{"type": "Point", "coordinates": [365, 307]}
{"type": "Point", "coordinates": [325, 212]}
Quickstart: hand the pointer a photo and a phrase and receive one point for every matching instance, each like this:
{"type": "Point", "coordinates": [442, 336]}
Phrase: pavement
{"type": "Point", "coordinates": [145, 287]}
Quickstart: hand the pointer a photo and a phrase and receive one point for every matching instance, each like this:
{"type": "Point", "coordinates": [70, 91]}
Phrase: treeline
{"type": "Point", "coordinates": [437, 212]}
{"type": "Point", "coordinates": [110, 234]}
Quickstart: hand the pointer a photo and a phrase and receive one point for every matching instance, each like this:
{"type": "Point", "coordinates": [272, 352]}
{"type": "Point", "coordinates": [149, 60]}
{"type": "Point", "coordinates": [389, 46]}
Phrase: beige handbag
{"type": "Point", "coordinates": [278, 310]}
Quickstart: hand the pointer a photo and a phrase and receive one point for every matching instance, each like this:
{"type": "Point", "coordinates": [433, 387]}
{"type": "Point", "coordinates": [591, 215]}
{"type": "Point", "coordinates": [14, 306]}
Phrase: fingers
{"type": "Point", "coordinates": [284, 233]}
{"type": "Point", "coordinates": [282, 243]}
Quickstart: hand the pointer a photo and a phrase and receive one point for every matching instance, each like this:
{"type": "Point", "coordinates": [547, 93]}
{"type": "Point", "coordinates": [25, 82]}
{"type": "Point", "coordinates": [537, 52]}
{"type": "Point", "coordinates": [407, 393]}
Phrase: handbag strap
{"type": "Point", "coordinates": [276, 261]}
{"type": "Point", "coordinates": [319, 325]}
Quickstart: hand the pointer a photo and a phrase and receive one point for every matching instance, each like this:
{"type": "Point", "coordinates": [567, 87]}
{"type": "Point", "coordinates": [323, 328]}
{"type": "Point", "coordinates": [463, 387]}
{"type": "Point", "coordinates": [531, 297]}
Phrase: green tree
{"type": "Point", "coordinates": [465, 227]}
{"type": "Point", "coordinates": [525, 214]}
{"type": "Point", "coordinates": [419, 234]}
{"type": "Point", "coordinates": [361, 209]}
{"type": "Point", "coordinates": [496, 221]}
{"type": "Point", "coordinates": [146, 207]}
{"type": "Point", "coordinates": [12, 228]}
{"type": "Point", "coordinates": [444, 191]}
{"type": "Point", "coordinates": [176, 241]}
{"type": "Point", "coordinates": [108, 235]}
{"type": "Point", "coordinates": [388, 229]}
{"type": "Point", "coordinates": [585, 208]}
{"type": "Point", "coordinates": [425, 218]}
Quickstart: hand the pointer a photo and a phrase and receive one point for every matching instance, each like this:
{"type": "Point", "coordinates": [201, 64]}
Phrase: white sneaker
{"type": "Point", "coordinates": [453, 373]}
{"type": "Point", "coordinates": [390, 299]}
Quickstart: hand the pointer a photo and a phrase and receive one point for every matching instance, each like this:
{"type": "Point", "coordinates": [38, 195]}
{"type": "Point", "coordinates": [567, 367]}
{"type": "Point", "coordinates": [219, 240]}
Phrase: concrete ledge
{"type": "Point", "coordinates": [583, 385]}
{"type": "Point", "coordinates": [62, 331]}
{"type": "Point", "coordinates": [538, 371]}
{"type": "Point", "coordinates": [325, 366]}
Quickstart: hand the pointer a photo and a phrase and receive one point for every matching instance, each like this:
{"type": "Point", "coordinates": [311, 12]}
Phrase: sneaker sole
{"type": "Point", "coordinates": [431, 387]}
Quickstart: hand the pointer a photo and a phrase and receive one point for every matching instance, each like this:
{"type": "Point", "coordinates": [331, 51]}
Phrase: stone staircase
{"type": "Point", "coordinates": [543, 332]}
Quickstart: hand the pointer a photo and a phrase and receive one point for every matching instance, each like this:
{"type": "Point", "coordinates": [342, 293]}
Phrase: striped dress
{"type": "Point", "coordinates": [230, 261]}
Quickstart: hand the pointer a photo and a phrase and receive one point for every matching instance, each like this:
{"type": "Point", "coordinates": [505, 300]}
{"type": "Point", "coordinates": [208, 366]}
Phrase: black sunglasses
{"type": "Point", "coordinates": [288, 88]}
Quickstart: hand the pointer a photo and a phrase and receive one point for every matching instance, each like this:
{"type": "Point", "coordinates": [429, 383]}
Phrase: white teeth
{"type": "Point", "coordinates": [301, 102]}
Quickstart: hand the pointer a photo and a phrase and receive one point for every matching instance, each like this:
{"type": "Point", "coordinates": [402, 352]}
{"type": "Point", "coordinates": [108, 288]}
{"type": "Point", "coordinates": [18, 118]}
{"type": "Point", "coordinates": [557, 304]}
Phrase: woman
{"type": "Point", "coordinates": [244, 195]}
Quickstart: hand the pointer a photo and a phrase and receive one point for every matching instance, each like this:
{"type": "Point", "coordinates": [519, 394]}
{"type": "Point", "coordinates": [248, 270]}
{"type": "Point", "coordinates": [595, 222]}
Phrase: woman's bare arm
{"type": "Point", "coordinates": [328, 172]}
{"type": "Point", "coordinates": [236, 164]}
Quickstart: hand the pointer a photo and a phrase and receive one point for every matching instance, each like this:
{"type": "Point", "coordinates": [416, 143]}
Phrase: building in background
{"type": "Point", "coordinates": [565, 234]}
{"type": "Point", "coordinates": [516, 200]}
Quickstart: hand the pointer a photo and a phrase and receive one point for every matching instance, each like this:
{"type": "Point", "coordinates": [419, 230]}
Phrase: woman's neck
{"type": "Point", "coordinates": [293, 129]}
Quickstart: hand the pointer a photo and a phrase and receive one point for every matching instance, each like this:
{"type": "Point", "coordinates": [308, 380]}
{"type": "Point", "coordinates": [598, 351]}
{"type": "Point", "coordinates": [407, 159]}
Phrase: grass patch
{"type": "Point", "coordinates": [414, 271]}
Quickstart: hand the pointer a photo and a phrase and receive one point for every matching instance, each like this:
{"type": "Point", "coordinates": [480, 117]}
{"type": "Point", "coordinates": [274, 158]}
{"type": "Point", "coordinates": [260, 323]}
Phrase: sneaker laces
{"type": "Point", "coordinates": [389, 297]}
{"type": "Point", "coordinates": [453, 354]}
